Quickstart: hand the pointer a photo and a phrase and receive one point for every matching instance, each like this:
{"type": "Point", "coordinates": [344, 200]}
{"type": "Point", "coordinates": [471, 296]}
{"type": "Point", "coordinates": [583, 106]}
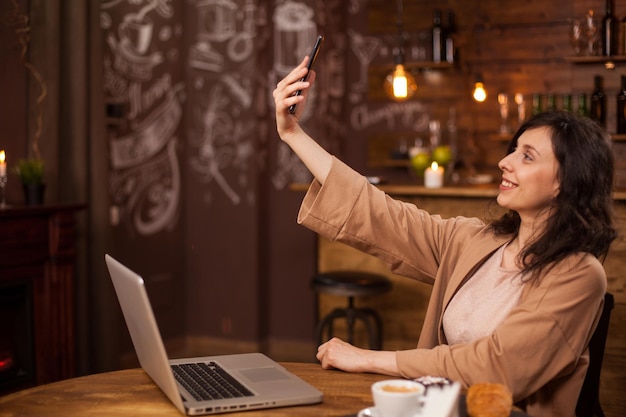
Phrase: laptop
{"type": "Point", "coordinates": [252, 380]}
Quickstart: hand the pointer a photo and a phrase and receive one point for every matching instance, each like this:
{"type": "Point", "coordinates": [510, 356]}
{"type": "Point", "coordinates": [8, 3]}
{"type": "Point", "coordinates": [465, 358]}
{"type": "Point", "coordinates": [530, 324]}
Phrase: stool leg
{"type": "Point", "coordinates": [377, 339]}
{"type": "Point", "coordinates": [327, 321]}
{"type": "Point", "coordinates": [350, 319]}
{"type": "Point", "coordinates": [370, 318]}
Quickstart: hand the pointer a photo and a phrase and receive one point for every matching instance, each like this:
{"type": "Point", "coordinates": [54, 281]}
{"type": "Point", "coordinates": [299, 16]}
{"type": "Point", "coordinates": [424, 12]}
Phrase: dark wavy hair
{"type": "Point", "coordinates": [582, 216]}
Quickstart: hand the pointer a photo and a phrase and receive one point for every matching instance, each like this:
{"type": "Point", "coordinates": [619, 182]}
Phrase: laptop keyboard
{"type": "Point", "coordinates": [208, 381]}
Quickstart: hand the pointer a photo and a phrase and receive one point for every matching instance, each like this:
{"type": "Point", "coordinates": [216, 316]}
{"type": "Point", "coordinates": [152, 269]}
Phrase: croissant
{"type": "Point", "coordinates": [489, 400]}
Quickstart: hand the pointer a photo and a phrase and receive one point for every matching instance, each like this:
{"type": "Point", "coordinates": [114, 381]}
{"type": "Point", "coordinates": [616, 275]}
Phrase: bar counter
{"type": "Point", "coordinates": [467, 190]}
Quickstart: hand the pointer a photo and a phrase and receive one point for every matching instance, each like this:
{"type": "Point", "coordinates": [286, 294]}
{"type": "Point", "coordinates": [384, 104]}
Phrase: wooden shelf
{"type": "Point", "coordinates": [420, 65]}
{"type": "Point", "coordinates": [498, 137]}
{"type": "Point", "coordinates": [608, 61]}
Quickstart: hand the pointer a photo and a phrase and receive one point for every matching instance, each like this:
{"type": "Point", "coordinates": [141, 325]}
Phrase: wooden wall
{"type": "Point", "coordinates": [518, 47]}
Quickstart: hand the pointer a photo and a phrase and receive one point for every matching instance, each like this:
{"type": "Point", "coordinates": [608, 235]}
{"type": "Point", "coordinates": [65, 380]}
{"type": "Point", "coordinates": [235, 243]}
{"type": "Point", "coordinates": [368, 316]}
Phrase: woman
{"type": "Point", "coordinates": [513, 302]}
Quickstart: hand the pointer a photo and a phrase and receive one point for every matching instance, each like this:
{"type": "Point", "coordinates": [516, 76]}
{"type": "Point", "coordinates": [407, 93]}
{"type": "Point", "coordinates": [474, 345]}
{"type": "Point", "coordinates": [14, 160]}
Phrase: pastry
{"type": "Point", "coordinates": [489, 400]}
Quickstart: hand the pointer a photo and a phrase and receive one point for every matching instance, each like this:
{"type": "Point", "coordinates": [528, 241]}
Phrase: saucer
{"type": "Point", "coordinates": [373, 412]}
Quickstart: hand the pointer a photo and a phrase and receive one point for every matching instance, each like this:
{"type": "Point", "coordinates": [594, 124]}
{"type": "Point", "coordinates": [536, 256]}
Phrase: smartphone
{"type": "Point", "coordinates": [312, 57]}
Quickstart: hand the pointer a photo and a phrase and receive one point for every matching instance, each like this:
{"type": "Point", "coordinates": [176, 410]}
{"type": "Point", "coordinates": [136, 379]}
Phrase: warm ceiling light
{"type": "Point", "coordinates": [479, 93]}
{"type": "Point", "coordinates": [400, 84]}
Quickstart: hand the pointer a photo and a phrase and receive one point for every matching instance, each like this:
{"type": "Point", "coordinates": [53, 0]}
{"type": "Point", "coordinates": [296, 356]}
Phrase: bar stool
{"type": "Point", "coordinates": [352, 284]}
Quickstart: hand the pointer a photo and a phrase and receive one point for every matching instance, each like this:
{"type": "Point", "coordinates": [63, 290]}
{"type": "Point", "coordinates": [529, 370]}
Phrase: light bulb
{"type": "Point", "coordinates": [480, 94]}
{"type": "Point", "coordinates": [400, 84]}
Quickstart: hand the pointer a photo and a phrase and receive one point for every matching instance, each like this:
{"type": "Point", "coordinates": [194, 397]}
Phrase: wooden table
{"type": "Point", "coordinates": [131, 392]}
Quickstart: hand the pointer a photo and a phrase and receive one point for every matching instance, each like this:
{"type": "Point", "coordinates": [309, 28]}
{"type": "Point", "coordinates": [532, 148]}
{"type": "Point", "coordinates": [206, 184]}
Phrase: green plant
{"type": "Point", "coordinates": [30, 171]}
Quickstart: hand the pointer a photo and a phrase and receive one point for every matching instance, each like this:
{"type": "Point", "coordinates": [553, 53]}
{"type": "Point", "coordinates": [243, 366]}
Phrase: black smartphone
{"type": "Point", "coordinates": [312, 57]}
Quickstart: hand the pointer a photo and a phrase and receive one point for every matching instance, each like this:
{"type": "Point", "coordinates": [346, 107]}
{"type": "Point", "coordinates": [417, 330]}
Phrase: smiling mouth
{"type": "Point", "coordinates": [507, 184]}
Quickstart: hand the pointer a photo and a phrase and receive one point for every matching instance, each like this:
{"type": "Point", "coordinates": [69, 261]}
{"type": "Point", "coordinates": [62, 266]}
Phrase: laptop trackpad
{"type": "Point", "coordinates": [263, 374]}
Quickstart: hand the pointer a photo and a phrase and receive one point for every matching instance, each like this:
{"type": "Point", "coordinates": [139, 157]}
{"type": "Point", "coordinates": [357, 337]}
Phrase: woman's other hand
{"type": "Point", "coordinates": [341, 355]}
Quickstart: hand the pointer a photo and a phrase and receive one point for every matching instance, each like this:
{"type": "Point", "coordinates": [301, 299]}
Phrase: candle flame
{"type": "Point", "coordinates": [434, 166]}
{"type": "Point", "coordinates": [2, 156]}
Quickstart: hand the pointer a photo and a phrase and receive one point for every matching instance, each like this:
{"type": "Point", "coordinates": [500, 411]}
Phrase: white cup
{"type": "Point", "coordinates": [397, 397]}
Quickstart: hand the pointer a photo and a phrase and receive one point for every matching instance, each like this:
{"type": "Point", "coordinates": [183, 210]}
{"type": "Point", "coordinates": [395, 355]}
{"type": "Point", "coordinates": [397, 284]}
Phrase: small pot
{"type": "Point", "coordinates": [34, 194]}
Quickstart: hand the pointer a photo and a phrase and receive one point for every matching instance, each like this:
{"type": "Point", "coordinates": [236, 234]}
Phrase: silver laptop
{"type": "Point", "coordinates": [251, 380]}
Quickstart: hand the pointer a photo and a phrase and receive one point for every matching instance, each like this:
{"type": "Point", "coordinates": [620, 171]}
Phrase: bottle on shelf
{"type": "Point", "coordinates": [567, 103]}
{"type": "Point", "coordinates": [582, 105]}
{"type": "Point", "coordinates": [437, 35]}
{"type": "Point", "coordinates": [449, 38]}
{"type": "Point", "coordinates": [610, 30]}
{"type": "Point", "coordinates": [621, 108]}
{"type": "Point", "coordinates": [536, 106]}
{"type": "Point", "coordinates": [550, 102]}
{"type": "Point", "coordinates": [598, 101]}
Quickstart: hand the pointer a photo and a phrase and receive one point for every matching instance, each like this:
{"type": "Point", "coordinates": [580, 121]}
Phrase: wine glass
{"type": "Point", "coordinates": [590, 29]}
{"type": "Point", "coordinates": [576, 36]}
{"type": "Point", "coordinates": [503, 103]}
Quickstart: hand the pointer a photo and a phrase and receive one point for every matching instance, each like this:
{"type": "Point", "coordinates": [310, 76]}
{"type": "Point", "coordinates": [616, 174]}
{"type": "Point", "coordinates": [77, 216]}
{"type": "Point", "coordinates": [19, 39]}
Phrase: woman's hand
{"type": "Point", "coordinates": [285, 96]}
{"type": "Point", "coordinates": [315, 157]}
{"type": "Point", "coordinates": [341, 355]}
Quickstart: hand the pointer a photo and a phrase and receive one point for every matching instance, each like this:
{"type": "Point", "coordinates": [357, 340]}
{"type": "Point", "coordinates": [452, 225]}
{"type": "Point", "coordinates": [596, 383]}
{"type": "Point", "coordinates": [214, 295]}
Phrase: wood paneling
{"type": "Point", "coordinates": [518, 47]}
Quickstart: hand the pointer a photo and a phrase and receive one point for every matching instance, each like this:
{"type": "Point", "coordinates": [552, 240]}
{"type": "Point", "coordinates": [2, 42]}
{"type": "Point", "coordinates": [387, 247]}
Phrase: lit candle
{"type": "Point", "coordinates": [3, 164]}
{"type": "Point", "coordinates": [433, 176]}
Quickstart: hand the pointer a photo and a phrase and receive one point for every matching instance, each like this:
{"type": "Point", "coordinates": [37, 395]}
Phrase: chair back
{"type": "Point", "coordinates": [589, 399]}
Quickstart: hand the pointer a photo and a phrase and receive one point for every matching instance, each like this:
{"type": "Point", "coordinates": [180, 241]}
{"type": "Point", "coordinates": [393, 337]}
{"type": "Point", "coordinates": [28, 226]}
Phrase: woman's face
{"type": "Point", "coordinates": [529, 175]}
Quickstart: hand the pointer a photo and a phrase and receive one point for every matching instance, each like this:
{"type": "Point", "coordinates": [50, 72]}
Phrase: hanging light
{"type": "Point", "coordinates": [400, 83]}
{"type": "Point", "coordinates": [479, 93]}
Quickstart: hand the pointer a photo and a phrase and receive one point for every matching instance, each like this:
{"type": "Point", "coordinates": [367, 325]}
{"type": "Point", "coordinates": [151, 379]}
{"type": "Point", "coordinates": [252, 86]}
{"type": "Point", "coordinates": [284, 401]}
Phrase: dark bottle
{"type": "Point", "coordinates": [582, 105]}
{"type": "Point", "coordinates": [449, 38]}
{"type": "Point", "coordinates": [621, 108]}
{"type": "Point", "coordinates": [438, 40]}
{"type": "Point", "coordinates": [536, 109]}
{"type": "Point", "coordinates": [598, 102]}
{"type": "Point", "coordinates": [610, 30]}
{"type": "Point", "coordinates": [550, 102]}
{"type": "Point", "coordinates": [567, 103]}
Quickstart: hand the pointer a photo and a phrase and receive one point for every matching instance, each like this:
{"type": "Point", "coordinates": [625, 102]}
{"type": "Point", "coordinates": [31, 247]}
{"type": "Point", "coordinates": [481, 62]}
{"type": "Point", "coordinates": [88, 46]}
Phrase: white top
{"type": "Point", "coordinates": [483, 302]}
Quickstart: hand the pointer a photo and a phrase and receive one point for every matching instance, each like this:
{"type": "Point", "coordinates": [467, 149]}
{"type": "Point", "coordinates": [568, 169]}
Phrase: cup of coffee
{"type": "Point", "coordinates": [397, 397]}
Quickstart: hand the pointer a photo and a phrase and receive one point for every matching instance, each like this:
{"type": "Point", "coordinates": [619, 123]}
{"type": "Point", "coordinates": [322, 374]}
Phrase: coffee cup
{"type": "Point", "coordinates": [136, 33]}
{"type": "Point", "coordinates": [397, 397]}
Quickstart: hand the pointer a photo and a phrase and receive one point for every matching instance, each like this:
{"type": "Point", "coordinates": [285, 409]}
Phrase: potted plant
{"type": "Point", "coordinates": [30, 172]}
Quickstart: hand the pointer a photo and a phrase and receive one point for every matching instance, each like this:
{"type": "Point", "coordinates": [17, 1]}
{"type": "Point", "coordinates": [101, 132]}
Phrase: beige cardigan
{"type": "Point", "coordinates": [539, 351]}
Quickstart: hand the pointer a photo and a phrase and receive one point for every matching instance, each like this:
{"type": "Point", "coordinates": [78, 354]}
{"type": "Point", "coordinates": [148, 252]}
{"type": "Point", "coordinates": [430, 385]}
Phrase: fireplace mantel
{"type": "Point", "coordinates": [37, 252]}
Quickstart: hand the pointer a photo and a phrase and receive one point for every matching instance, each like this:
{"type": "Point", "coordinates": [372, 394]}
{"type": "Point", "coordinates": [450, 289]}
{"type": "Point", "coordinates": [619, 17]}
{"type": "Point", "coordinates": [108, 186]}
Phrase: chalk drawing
{"type": "Point", "coordinates": [145, 172]}
{"type": "Point", "coordinates": [221, 139]}
{"type": "Point", "coordinates": [365, 48]}
{"type": "Point", "coordinates": [217, 22]}
{"type": "Point", "coordinates": [222, 143]}
{"type": "Point", "coordinates": [149, 193]}
{"type": "Point", "coordinates": [412, 115]}
{"type": "Point", "coordinates": [294, 34]}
